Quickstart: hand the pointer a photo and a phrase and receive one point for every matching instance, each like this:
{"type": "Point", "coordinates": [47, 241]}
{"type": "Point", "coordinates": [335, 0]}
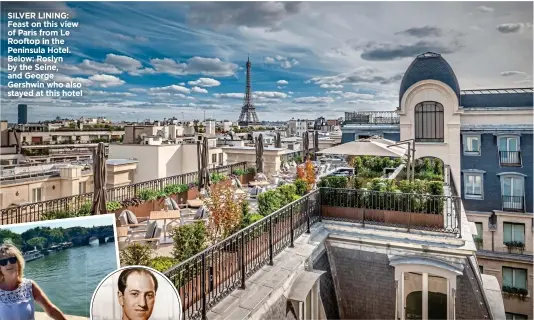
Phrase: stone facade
{"type": "Point", "coordinates": [365, 284]}
{"type": "Point", "coordinates": [328, 290]}
{"type": "Point", "coordinates": [469, 293]}
{"type": "Point", "coordinates": [281, 309]}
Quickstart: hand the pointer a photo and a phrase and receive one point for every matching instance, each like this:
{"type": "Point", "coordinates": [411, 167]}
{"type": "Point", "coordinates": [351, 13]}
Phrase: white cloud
{"type": "Point", "coordinates": [485, 9]}
{"type": "Point", "coordinates": [284, 62]}
{"type": "Point", "coordinates": [282, 82]}
{"type": "Point", "coordinates": [335, 92]}
{"type": "Point", "coordinates": [313, 100]}
{"type": "Point", "coordinates": [213, 67]}
{"type": "Point", "coordinates": [182, 83]}
{"type": "Point", "coordinates": [123, 62]}
{"type": "Point", "coordinates": [331, 86]}
{"type": "Point", "coordinates": [199, 90]}
{"type": "Point", "coordinates": [512, 73]}
{"type": "Point", "coordinates": [205, 82]}
{"type": "Point", "coordinates": [88, 67]}
{"type": "Point", "coordinates": [172, 89]}
{"type": "Point", "coordinates": [372, 102]}
{"type": "Point", "coordinates": [353, 95]}
{"type": "Point", "coordinates": [106, 81]}
{"type": "Point", "coordinates": [229, 95]}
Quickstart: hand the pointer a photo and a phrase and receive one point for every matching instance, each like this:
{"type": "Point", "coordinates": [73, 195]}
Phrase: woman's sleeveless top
{"type": "Point", "coordinates": [18, 304]}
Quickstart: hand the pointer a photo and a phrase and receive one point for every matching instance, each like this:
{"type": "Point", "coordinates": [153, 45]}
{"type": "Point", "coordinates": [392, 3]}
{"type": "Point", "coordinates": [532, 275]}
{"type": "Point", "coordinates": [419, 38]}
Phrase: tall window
{"type": "Point", "coordinates": [213, 158]}
{"type": "Point", "coordinates": [479, 229]}
{"type": "Point", "coordinates": [472, 145]}
{"type": "Point", "coordinates": [514, 232]}
{"type": "Point", "coordinates": [435, 306]}
{"type": "Point", "coordinates": [515, 316]}
{"type": "Point", "coordinates": [37, 194]}
{"type": "Point", "coordinates": [82, 187]}
{"type": "Point", "coordinates": [514, 278]}
{"type": "Point", "coordinates": [509, 151]}
{"type": "Point", "coordinates": [512, 192]}
{"type": "Point", "coordinates": [473, 185]}
{"type": "Point", "coordinates": [429, 122]}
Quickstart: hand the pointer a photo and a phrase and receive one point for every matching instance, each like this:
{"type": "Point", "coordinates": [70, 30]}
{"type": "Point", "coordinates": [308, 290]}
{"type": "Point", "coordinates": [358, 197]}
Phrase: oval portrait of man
{"type": "Point", "coordinates": [136, 293]}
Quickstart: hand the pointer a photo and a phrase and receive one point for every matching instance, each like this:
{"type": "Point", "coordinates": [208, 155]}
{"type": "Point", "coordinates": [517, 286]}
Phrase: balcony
{"type": "Point", "coordinates": [372, 117]}
{"type": "Point", "coordinates": [510, 158]}
{"type": "Point", "coordinates": [513, 203]}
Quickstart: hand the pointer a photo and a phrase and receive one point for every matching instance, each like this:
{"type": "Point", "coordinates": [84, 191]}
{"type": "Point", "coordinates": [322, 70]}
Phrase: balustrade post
{"type": "Point", "coordinates": [270, 241]}
{"type": "Point", "coordinates": [203, 286]}
{"type": "Point", "coordinates": [242, 260]}
{"type": "Point", "coordinates": [308, 214]}
{"type": "Point", "coordinates": [291, 245]}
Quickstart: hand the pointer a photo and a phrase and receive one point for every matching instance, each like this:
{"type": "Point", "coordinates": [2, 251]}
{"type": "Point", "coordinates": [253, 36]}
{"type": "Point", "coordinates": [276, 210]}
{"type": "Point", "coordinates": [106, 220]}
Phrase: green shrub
{"type": "Point", "coordinates": [245, 215]}
{"type": "Point", "coordinates": [287, 192]}
{"type": "Point", "coordinates": [136, 254]}
{"type": "Point", "coordinates": [148, 194]}
{"type": "Point", "coordinates": [251, 170]}
{"type": "Point", "coordinates": [163, 264]}
{"type": "Point", "coordinates": [189, 240]}
{"type": "Point", "coordinates": [333, 182]}
{"type": "Point", "coordinates": [435, 188]}
{"type": "Point", "coordinates": [113, 206]}
{"type": "Point", "coordinates": [255, 217]}
{"type": "Point", "coordinates": [175, 189]}
{"type": "Point", "coordinates": [217, 177]}
{"type": "Point", "coordinates": [269, 202]}
{"type": "Point", "coordinates": [239, 172]}
{"type": "Point", "coordinates": [59, 214]}
{"type": "Point", "coordinates": [301, 187]}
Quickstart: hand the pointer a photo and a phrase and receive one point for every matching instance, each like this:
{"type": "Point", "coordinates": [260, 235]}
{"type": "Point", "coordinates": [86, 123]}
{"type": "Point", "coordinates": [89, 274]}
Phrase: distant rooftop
{"type": "Point", "coordinates": [118, 162]}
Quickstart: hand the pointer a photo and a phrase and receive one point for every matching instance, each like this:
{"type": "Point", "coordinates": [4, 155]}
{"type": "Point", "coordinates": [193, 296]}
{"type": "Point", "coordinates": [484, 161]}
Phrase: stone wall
{"type": "Point", "coordinates": [469, 297]}
{"type": "Point", "coordinates": [282, 309]}
{"type": "Point", "coordinates": [327, 288]}
{"type": "Point", "coordinates": [365, 283]}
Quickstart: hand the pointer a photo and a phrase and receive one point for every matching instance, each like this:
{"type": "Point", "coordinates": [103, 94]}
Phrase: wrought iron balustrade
{"type": "Point", "coordinates": [510, 158]}
{"type": "Point", "coordinates": [206, 278]}
{"type": "Point", "coordinates": [513, 203]}
{"type": "Point", "coordinates": [35, 211]}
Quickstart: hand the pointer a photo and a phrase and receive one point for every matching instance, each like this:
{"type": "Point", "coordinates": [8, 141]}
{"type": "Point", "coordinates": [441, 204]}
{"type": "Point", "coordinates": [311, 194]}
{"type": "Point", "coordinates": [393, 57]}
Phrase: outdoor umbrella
{"type": "Point", "coordinates": [278, 140]}
{"type": "Point", "coordinates": [203, 173]}
{"type": "Point", "coordinates": [315, 144]}
{"type": "Point", "coordinates": [99, 177]}
{"type": "Point", "coordinates": [305, 144]}
{"type": "Point", "coordinates": [259, 154]}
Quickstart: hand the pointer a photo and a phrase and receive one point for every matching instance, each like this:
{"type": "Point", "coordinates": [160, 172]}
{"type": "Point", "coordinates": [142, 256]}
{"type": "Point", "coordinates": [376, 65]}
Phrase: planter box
{"type": "Point", "coordinates": [517, 250]}
{"type": "Point", "coordinates": [193, 193]}
{"type": "Point", "coordinates": [386, 217]}
{"type": "Point", "coordinates": [180, 197]}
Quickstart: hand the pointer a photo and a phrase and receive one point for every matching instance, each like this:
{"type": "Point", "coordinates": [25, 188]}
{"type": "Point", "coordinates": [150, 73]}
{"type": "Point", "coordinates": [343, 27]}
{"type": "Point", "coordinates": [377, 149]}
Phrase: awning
{"type": "Point", "coordinates": [368, 147]}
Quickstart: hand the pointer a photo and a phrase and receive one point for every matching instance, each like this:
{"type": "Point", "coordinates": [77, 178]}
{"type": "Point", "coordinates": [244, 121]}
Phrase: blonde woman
{"type": "Point", "coordinates": [17, 294]}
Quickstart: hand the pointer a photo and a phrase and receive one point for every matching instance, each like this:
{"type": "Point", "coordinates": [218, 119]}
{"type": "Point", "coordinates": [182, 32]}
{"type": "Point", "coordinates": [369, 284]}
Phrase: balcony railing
{"type": "Point", "coordinates": [206, 278]}
{"type": "Point", "coordinates": [372, 117]}
{"type": "Point", "coordinates": [513, 203]}
{"type": "Point", "coordinates": [34, 211]}
{"type": "Point", "coordinates": [510, 158]}
{"type": "Point", "coordinates": [227, 265]}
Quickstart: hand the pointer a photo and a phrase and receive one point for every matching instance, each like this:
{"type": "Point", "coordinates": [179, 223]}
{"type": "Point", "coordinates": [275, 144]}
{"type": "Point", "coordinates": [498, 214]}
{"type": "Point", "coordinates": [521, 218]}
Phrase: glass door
{"type": "Point", "coordinates": [512, 192]}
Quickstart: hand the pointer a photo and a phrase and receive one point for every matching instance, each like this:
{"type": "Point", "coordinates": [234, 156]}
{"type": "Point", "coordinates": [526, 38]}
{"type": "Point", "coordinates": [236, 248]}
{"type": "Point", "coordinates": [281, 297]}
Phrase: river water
{"type": "Point", "coordinates": [69, 277]}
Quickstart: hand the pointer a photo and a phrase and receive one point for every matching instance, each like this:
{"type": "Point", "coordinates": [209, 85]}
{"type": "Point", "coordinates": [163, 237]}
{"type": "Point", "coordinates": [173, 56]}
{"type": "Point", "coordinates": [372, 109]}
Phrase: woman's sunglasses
{"type": "Point", "coordinates": [11, 260]}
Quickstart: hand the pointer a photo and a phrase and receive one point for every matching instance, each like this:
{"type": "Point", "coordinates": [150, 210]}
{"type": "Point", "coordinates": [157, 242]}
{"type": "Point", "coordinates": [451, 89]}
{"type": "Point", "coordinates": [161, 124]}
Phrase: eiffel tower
{"type": "Point", "coordinates": [248, 115]}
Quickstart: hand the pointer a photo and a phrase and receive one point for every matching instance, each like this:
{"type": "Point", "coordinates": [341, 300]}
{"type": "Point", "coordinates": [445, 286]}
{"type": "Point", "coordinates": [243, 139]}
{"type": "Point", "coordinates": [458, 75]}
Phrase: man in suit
{"type": "Point", "coordinates": [137, 293]}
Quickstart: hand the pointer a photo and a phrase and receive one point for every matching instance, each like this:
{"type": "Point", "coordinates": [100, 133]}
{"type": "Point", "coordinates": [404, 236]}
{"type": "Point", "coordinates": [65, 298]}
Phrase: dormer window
{"type": "Point", "coordinates": [429, 122]}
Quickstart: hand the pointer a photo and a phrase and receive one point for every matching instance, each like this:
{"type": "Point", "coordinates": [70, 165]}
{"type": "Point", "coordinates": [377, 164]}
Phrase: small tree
{"type": "Point", "coordinates": [309, 175]}
{"type": "Point", "coordinates": [188, 240]}
{"type": "Point", "coordinates": [136, 254]}
{"type": "Point", "coordinates": [225, 210]}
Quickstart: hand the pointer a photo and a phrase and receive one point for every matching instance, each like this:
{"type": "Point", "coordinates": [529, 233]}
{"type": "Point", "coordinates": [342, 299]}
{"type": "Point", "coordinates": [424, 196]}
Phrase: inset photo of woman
{"type": "Point", "coordinates": [136, 293]}
{"type": "Point", "coordinates": [50, 269]}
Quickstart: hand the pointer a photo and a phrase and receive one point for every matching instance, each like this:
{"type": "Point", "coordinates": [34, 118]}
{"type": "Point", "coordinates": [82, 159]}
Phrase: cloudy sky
{"type": "Point", "coordinates": [141, 60]}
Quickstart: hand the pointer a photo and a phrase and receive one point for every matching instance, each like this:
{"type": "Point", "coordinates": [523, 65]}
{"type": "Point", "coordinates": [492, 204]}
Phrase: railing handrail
{"type": "Point", "coordinates": [234, 235]}
{"type": "Point", "coordinates": [130, 185]}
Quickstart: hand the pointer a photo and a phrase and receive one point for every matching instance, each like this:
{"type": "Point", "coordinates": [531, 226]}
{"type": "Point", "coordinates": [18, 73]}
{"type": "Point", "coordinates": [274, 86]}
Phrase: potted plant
{"type": "Point", "coordinates": [479, 243]}
{"type": "Point", "coordinates": [513, 291]}
{"type": "Point", "coordinates": [192, 191]}
{"type": "Point", "coordinates": [515, 246]}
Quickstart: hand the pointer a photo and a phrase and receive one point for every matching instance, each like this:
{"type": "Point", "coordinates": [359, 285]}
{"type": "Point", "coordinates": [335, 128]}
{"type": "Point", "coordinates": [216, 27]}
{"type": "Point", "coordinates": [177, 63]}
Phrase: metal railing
{"type": "Point", "coordinates": [513, 203]}
{"type": "Point", "coordinates": [35, 211]}
{"type": "Point", "coordinates": [409, 210]}
{"type": "Point", "coordinates": [372, 117]}
{"type": "Point", "coordinates": [206, 278]}
{"type": "Point", "coordinates": [510, 158]}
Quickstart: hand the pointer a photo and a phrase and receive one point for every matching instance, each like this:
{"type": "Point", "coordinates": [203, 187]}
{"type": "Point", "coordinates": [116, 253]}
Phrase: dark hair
{"type": "Point", "coordinates": [126, 273]}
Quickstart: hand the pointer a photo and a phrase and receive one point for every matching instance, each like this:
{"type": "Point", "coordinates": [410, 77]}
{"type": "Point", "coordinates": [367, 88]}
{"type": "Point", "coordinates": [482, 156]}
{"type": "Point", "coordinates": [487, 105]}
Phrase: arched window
{"type": "Point", "coordinates": [429, 124]}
